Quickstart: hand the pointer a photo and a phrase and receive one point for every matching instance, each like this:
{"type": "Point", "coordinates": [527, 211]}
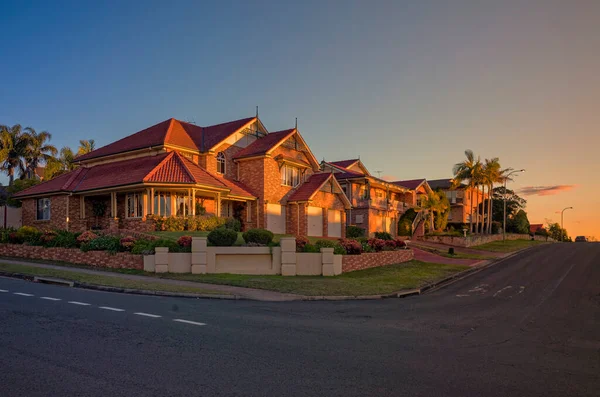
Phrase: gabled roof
{"type": "Point", "coordinates": [171, 132]}
{"type": "Point", "coordinates": [344, 163]}
{"type": "Point", "coordinates": [444, 184]}
{"type": "Point", "coordinates": [308, 189]}
{"type": "Point", "coordinates": [171, 168]}
{"type": "Point", "coordinates": [263, 145]}
{"type": "Point", "coordinates": [535, 227]}
{"type": "Point", "coordinates": [342, 176]}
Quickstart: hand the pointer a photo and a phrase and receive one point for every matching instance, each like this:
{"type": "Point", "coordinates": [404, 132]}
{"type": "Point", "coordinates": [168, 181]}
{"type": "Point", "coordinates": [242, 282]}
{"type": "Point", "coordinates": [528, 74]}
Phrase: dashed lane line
{"type": "Point", "coordinates": [49, 298]}
{"type": "Point", "coordinates": [3, 290]}
{"type": "Point", "coordinates": [79, 303]}
{"type": "Point", "coordinates": [113, 309]}
{"type": "Point", "coordinates": [22, 294]}
{"type": "Point", "coordinates": [147, 315]}
{"type": "Point", "coordinates": [188, 322]}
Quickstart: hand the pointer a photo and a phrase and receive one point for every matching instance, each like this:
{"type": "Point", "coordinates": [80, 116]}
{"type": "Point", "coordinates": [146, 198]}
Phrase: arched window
{"type": "Point", "coordinates": [221, 163]}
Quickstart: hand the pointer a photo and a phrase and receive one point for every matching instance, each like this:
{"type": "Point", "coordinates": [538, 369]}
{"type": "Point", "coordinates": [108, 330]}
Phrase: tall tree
{"type": "Point", "coordinates": [38, 150]}
{"type": "Point", "coordinates": [13, 149]}
{"type": "Point", "coordinates": [514, 203]}
{"type": "Point", "coordinates": [435, 203]}
{"type": "Point", "coordinates": [466, 171]}
{"type": "Point", "coordinates": [59, 165]}
{"type": "Point", "coordinates": [86, 146]}
{"type": "Point", "coordinates": [518, 223]}
{"type": "Point", "coordinates": [492, 175]}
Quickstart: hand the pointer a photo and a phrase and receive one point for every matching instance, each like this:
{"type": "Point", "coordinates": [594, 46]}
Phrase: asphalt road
{"type": "Point", "coordinates": [529, 326]}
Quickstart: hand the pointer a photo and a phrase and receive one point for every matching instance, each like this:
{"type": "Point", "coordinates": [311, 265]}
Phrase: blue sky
{"type": "Point", "coordinates": [406, 85]}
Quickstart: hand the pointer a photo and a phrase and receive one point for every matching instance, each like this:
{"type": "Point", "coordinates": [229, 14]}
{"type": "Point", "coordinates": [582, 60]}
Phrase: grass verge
{"type": "Point", "coordinates": [102, 280]}
{"type": "Point", "coordinates": [508, 245]}
{"type": "Point", "coordinates": [375, 281]}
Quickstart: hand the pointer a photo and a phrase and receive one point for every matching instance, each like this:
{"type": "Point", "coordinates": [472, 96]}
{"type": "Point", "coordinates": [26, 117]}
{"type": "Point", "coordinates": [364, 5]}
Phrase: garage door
{"type": "Point", "coordinates": [315, 221]}
{"type": "Point", "coordinates": [334, 223]}
{"type": "Point", "coordinates": [276, 218]}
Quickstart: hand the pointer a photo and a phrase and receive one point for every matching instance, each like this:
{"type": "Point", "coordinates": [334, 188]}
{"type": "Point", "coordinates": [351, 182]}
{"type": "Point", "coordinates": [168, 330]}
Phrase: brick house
{"type": "Point", "coordinates": [418, 189]}
{"type": "Point", "coordinates": [376, 203]}
{"type": "Point", "coordinates": [461, 206]}
{"type": "Point", "coordinates": [235, 169]}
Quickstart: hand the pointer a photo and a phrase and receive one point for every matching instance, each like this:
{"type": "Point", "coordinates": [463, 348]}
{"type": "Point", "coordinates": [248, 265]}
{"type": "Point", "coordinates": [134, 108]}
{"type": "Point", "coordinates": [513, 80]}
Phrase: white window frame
{"type": "Point", "coordinates": [156, 203]}
{"type": "Point", "coordinates": [221, 163]}
{"type": "Point", "coordinates": [182, 198]}
{"type": "Point", "coordinates": [138, 205]}
{"type": "Point", "coordinates": [290, 176]}
{"type": "Point", "coordinates": [46, 202]}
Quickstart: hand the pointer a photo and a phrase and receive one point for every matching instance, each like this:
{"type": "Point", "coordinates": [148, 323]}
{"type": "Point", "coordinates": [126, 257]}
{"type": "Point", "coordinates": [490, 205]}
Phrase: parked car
{"type": "Point", "coordinates": [581, 239]}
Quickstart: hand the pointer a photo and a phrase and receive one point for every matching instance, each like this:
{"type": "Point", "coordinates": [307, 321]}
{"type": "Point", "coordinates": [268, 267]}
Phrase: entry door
{"type": "Point", "coordinates": [315, 221]}
{"type": "Point", "coordinates": [334, 225]}
{"type": "Point", "coordinates": [276, 218]}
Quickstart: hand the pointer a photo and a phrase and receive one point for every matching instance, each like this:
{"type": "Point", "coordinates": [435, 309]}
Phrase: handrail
{"type": "Point", "coordinates": [417, 220]}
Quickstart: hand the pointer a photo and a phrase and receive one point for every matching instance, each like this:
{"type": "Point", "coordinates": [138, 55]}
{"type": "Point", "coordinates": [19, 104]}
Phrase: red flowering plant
{"type": "Point", "coordinates": [301, 243]}
{"type": "Point", "coordinates": [127, 243]}
{"type": "Point", "coordinates": [400, 244]}
{"type": "Point", "coordinates": [352, 247]}
{"type": "Point", "coordinates": [390, 245]}
{"type": "Point", "coordinates": [184, 241]}
{"type": "Point", "coordinates": [86, 237]}
{"type": "Point", "coordinates": [376, 244]}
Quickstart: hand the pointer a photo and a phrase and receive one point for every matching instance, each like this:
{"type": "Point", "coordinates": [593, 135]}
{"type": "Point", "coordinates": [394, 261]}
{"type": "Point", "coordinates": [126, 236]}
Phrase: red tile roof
{"type": "Point", "coordinates": [171, 132]}
{"type": "Point", "coordinates": [166, 168]}
{"type": "Point", "coordinates": [343, 163]}
{"type": "Point", "coordinates": [308, 189]}
{"type": "Point", "coordinates": [263, 145]}
{"type": "Point", "coordinates": [535, 227]}
{"type": "Point", "coordinates": [292, 160]}
{"type": "Point", "coordinates": [410, 184]}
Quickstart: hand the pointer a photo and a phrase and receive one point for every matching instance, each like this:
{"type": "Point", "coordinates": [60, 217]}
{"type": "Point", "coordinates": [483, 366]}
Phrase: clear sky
{"type": "Point", "coordinates": [407, 85]}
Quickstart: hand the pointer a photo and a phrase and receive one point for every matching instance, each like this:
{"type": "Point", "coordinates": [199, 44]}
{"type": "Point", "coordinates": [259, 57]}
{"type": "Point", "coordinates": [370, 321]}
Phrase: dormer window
{"type": "Point", "coordinates": [221, 163]}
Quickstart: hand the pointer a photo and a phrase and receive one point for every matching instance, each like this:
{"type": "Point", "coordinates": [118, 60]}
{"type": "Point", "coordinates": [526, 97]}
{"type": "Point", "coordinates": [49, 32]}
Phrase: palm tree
{"type": "Point", "coordinates": [435, 202]}
{"type": "Point", "coordinates": [38, 150]}
{"type": "Point", "coordinates": [86, 146]}
{"type": "Point", "coordinates": [13, 148]}
{"type": "Point", "coordinates": [59, 165]}
{"type": "Point", "coordinates": [492, 174]}
{"type": "Point", "coordinates": [468, 170]}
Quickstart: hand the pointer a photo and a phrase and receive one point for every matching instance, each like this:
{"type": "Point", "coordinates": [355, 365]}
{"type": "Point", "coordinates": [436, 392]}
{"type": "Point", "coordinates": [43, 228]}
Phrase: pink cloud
{"type": "Point", "coordinates": [545, 190]}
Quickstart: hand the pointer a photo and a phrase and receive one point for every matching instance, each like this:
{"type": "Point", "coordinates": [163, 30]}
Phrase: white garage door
{"type": "Point", "coordinates": [334, 223]}
{"type": "Point", "coordinates": [315, 221]}
{"type": "Point", "coordinates": [276, 218]}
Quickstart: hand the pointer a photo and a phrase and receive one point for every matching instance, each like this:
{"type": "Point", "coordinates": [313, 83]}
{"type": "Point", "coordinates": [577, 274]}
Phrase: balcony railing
{"type": "Point", "coordinates": [379, 203]}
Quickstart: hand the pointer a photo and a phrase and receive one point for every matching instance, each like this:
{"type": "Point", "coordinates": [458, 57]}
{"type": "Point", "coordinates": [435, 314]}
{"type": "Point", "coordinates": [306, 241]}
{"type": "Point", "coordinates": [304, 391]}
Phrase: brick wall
{"type": "Point", "coordinates": [251, 175]}
{"type": "Point", "coordinates": [351, 263]}
{"type": "Point", "coordinates": [74, 255]}
{"type": "Point", "coordinates": [58, 213]}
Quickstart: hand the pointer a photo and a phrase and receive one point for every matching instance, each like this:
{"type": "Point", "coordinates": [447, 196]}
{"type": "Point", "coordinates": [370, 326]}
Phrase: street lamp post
{"type": "Point", "coordinates": [506, 179]}
{"type": "Point", "coordinates": [562, 213]}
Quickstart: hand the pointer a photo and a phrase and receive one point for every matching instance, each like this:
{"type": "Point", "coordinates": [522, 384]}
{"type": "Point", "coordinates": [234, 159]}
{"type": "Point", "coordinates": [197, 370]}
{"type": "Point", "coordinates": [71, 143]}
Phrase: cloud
{"type": "Point", "coordinates": [545, 190]}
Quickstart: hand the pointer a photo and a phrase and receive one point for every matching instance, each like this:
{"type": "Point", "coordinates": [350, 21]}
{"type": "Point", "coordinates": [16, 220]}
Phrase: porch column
{"type": "Point", "coordinates": [151, 201]}
{"type": "Point", "coordinates": [194, 202]}
{"type": "Point", "coordinates": [218, 205]}
{"type": "Point", "coordinates": [145, 204]}
{"type": "Point", "coordinates": [189, 199]}
{"type": "Point", "coordinates": [82, 207]}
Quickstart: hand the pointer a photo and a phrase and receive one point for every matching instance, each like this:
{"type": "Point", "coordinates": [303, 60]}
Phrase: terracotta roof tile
{"type": "Point", "coordinates": [307, 190]}
{"type": "Point", "coordinates": [343, 163]}
{"type": "Point", "coordinates": [215, 134]}
{"type": "Point", "coordinates": [410, 184]}
{"type": "Point", "coordinates": [263, 145]}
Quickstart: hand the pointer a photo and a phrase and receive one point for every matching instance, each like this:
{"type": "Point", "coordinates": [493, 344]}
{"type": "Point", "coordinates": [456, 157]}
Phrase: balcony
{"type": "Point", "coordinates": [380, 203]}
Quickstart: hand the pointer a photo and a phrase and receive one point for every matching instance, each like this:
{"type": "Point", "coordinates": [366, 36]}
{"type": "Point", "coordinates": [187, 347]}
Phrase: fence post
{"type": "Point", "coordinates": [161, 259]}
{"type": "Point", "coordinates": [199, 255]}
{"type": "Point", "coordinates": [288, 256]}
{"type": "Point", "coordinates": [327, 262]}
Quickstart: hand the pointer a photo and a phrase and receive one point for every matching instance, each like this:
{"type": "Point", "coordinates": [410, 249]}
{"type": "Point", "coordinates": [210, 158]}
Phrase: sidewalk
{"type": "Point", "coordinates": [458, 250]}
{"type": "Point", "coordinates": [245, 293]}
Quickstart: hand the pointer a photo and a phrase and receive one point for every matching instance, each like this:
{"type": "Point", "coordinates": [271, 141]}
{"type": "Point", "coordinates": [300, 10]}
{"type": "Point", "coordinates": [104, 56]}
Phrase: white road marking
{"type": "Point", "coordinates": [480, 288]}
{"type": "Point", "coordinates": [22, 294]}
{"type": "Point", "coordinates": [79, 303]}
{"type": "Point", "coordinates": [49, 298]}
{"type": "Point", "coordinates": [502, 290]}
{"type": "Point", "coordinates": [114, 309]}
{"type": "Point", "coordinates": [522, 288]}
{"type": "Point", "coordinates": [188, 322]}
{"type": "Point", "coordinates": [147, 315]}
{"type": "Point", "coordinates": [3, 290]}
{"type": "Point", "coordinates": [461, 295]}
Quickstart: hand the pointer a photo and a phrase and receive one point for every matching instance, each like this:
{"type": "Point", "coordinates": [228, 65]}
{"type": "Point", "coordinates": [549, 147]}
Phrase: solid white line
{"type": "Point", "coordinates": [79, 303]}
{"type": "Point", "coordinates": [188, 322]}
{"type": "Point", "coordinates": [114, 309]}
{"type": "Point", "coordinates": [147, 315]}
{"type": "Point", "coordinates": [22, 294]}
{"type": "Point", "coordinates": [49, 298]}
{"type": "Point", "coordinates": [3, 290]}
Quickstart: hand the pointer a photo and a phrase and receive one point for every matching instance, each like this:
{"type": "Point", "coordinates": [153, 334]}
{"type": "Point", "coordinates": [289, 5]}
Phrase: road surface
{"type": "Point", "coordinates": [529, 326]}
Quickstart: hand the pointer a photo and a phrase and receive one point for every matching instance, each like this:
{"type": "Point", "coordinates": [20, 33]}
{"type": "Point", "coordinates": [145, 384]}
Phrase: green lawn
{"type": "Point", "coordinates": [102, 280]}
{"type": "Point", "coordinates": [508, 245]}
{"type": "Point", "coordinates": [375, 281]}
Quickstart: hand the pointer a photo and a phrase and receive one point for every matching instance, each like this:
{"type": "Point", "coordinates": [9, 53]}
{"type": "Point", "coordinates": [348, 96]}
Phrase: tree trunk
{"type": "Point", "coordinates": [471, 214]}
{"type": "Point", "coordinates": [490, 206]}
{"type": "Point", "coordinates": [432, 223]}
{"type": "Point", "coordinates": [11, 177]}
{"type": "Point", "coordinates": [477, 209]}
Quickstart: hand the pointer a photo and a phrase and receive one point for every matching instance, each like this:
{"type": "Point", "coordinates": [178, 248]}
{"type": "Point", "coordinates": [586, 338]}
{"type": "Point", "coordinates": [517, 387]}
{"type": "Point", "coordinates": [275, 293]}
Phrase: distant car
{"type": "Point", "coordinates": [581, 239]}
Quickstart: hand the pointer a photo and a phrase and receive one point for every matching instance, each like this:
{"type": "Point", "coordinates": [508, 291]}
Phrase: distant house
{"type": "Point", "coordinates": [461, 206]}
{"type": "Point", "coordinates": [534, 228]}
{"type": "Point", "coordinates": [419, 189]}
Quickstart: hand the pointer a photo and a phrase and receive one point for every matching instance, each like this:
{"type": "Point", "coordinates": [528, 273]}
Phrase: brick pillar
{"type": "Point", "coordinates": [199, 255]}
{"type": "Point", "coordinates": [161, 259]}
{"type": "Point", "coordinates": [331, 264]}
{"type": "Point", "coordinates": [113, 225]}
{"type": "Point", "coordinates": [288, 256]}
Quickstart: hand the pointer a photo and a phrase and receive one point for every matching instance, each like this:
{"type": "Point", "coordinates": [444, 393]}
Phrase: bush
{"type": "Point", "coordinates": [260, 236]}
{"type": "Point", "coordinates": [352, 247]}
{"type": "Point", "coordinates": [376, 244]}
{"type": "Point", "coordinates": [127, 243]}
{"type": "Point", "coordinates": [143, 247]}
{"type": "Point", "coordinates": [383, 236]}
{"type": "Point", "coordinates": [233, 224]}
{"type": "Point", "coordinates": [209, 223]}
{"type": "Point", "coordinates": [47, 238]}
{"type": "Point", "coordinates": [184, 241]}
{"type": "Point", "coordinates": [301, 243]}
{"type": "Point", "coordinates": [401, 244]}
{"type": "Point", "coordinates": [103, 243]}
{"type": "Point", "coordinates": [29, 233]}
{"type": "Point", "coordinates": [15, 238]}
{"type": "Point", "coordinates": [390, 245]}
{"type": "Point", "coordinates": [4, 233]}
{"type": "Point", "coordinates": [355, 232]}
{"type": "Point", "coordinates": [63, 239]}
{"type": "Point", "coordinates": [223, 237]}
{"type": "Point", "coordinates": [175, 224]}
{"type": "Point", "coordinates": [337, 248]}
{"type": "Point", "coordinates": [86, 237]}
{"type": "Point", "coordinates": [497, 227]}
{"type": "Point", "coordinates": [310, 248]}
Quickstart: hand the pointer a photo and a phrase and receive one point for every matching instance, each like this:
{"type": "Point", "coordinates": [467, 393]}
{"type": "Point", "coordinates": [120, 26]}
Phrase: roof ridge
{"type": "Point", "coordinates": [71, 178]}
{"type": "Point", "coordinates": [185, 167]}
{"type": "Point", "coordinates": [157, 167]}
{"type": "Point", "coordinates": [169, 129]}
{"type": "Point", "coordinates": [228, 122]}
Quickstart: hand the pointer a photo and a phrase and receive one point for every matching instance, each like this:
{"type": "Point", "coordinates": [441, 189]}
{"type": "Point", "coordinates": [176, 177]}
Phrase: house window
{"type": "Point", "coordinates": [43, 209]}
{"type": "Point", "coordinates": [221, 163]}
{"type": "Point", "coordinates": [135, 205]}
{"type": "Point", "coordinates": [182, 204]}
{"type": "Point", "coordinates": [162, 203]}
{"type": "Point", "coordinates": [359, 219]}
{"type": "Point", "coordinates": [290, 176]}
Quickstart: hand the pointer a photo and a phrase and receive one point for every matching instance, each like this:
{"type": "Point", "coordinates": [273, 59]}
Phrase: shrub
{"type": "Point", "coordinates": [4, 233]}
{"type": "Point", "coordinates": [184, 241]}
{"type": "Point", "coordinates": [337, 248]}
{"type": "Point", "coordinates": [103, 243]}
{"type": "Point", "coordinates": [376, 244]}
{"type": "Point", "coordinates": [175, 224]}
{"type": "Point", "coordinates": [383, 236]}
{"type": "Point", "coordinates": [86, 237]}
{"type": "Point", "coordinates": [62, 238]}
{"type": "Point", "coordinates": [222, 237]}
{"type": "Point", "coordinates": [355, 232]}
{"type": "Point", "coordinates": [233, 224]}
{"type": "Point", "coordinates": [15, 238]}
{"type": "Point", "coordinates": [29, 232]}
{"type": "Point", "coordinates": [400, 243]}
{"type": "Point", "coordinates": [127, 243]}
{"type": "Point", "coordinates": [352, 247]}
{"type": "Point", "coordinates": [310, 248]}
{"type": "Point", "coordinates": [47, 237]}
{"type": "Point", "coordinates": [389, 245]}
{"type": "Point", "coordinates": [260, 236]}
{"type": "Point", "coordinates": [301, 243]}
{"type": "Point", "coordinates": [143, 247]}
{"type": "Point", "coordinates": [209, 223]}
